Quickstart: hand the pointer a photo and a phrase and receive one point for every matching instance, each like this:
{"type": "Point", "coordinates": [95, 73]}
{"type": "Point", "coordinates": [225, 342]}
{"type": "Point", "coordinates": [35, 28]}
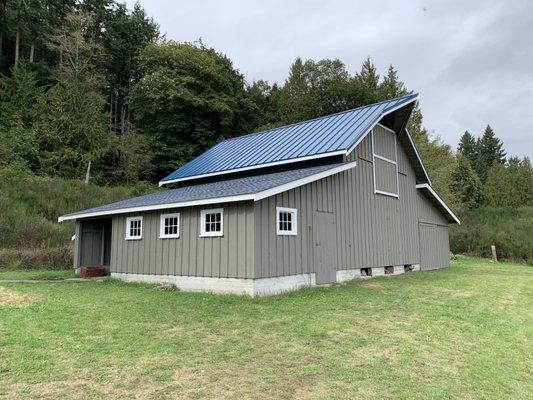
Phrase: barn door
{"type": "Point", "coordinates": [324, 247]}
{"type": "Point", "coordinates": [434, 246]}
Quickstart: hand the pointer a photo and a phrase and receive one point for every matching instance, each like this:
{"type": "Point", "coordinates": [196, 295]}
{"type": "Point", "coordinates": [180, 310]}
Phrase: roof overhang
{"type": "Point", "coordinates": [408, 105]}
{"type": "Point", "coordinates": [438, 202]}
{"type": "Point", "coordinates": [216, 200]}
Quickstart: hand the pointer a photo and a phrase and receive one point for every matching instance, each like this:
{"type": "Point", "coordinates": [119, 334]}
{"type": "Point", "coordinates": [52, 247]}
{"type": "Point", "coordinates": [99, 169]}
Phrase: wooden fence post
{"type": "Point", "coordinates": [494, 255]}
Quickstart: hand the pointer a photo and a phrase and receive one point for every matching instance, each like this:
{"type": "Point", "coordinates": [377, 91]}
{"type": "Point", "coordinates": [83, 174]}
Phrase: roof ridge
{"type": "Point", "coordinates": [319, 118]}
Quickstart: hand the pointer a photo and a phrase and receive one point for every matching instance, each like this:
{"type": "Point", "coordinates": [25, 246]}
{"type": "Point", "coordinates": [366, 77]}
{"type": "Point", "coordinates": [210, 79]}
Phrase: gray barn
{"type": "Point", "coordinates": [317, 202]}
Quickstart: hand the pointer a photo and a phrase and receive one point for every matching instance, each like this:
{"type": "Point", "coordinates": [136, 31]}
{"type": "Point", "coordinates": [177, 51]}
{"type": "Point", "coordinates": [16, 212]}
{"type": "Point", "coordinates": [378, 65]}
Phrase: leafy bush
{"type": "Point", "coordinates": [509, 229]}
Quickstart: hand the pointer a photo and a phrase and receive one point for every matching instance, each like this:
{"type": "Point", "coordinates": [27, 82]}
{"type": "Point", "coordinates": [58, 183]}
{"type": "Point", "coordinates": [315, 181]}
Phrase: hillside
{"type": "Point", "coordinates": [29, 207]}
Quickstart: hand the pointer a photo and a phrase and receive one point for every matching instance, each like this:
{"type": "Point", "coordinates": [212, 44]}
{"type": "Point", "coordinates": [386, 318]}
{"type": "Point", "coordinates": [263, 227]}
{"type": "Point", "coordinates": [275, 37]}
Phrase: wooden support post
{"type": "Point", "coordinates": [494, 255]}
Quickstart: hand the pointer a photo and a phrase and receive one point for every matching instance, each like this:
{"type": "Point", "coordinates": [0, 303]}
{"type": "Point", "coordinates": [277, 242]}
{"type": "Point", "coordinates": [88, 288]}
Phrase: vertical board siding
{"type": "Point", "coordinates": [228, 256]}
{"type": "Point", "coordinates": [371, 229]}
{"type": "Point", "coordinates": [434, 246]}
{"type": "Point", "coordinates": [386, 177]}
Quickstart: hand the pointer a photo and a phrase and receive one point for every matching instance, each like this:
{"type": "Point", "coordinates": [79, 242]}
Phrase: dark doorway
{"type": "Point", "coordinates": [95, 243]}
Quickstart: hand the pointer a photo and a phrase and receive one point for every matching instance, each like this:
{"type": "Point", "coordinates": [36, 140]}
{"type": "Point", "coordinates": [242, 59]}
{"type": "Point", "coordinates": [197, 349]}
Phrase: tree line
{"type": "Point", "coordinates": [92, 83]}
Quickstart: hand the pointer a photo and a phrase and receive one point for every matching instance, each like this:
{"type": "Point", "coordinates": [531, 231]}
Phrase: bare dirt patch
{"type": "Point", "coordinates": [8, 298]}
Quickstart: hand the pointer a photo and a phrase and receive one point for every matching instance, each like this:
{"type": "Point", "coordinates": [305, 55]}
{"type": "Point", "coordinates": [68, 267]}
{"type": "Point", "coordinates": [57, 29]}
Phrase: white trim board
{"type": "Point", "coordinates": [216, 200]}
{"type": "Point", "coordinates": [437, 197]}
{"type": "Point", "coordinates": [281, 162]}
{"type": "Point", "coordinates": [395, 163]}
{"type": "Point", "coordinates": [417, 155]}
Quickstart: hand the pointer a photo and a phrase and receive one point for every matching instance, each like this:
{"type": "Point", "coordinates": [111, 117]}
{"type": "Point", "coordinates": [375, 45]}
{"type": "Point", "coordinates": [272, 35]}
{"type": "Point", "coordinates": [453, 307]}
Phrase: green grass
{"type": "Point", "coordinates": [462, 332]}
{"type": "Point", "coordinates": [36, 274]}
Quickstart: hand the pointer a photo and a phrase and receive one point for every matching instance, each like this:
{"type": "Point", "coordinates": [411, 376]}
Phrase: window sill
{"type": "Point", "coordinates": [133, 238]}
{"type": "Point", "coordinates": [169, 237]}
{"type": "Point", "coordinates": [212, 234]}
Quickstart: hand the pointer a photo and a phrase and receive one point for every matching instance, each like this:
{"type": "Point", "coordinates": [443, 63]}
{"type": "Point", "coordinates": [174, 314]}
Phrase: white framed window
{"type": "Point", "coordinates": [286, 221]}
{"type": "Point", "coordinates": [212, 222]}
{"type": "Point", "coordinates": [385, 162]}
{"type": "Point", "coordinates": [134, 228]}
{"type": "Point", "coordinates": [169, 226]}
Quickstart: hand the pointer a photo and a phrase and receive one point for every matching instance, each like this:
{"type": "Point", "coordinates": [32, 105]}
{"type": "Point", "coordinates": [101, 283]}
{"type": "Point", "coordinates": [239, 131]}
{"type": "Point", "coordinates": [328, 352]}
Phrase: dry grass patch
{"type": "Point", "coordinates": [8, 298]}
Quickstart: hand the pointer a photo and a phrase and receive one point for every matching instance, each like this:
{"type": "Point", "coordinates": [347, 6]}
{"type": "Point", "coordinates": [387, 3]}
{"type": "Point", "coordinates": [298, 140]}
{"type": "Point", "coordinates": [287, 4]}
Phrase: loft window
{"type": "Point", "coordinates": [212, 222]}
{"type": "Point", "coordinates": [385, 161]}
{"type": "Point", "coordinates": [169, 226]}
{"type": "Point", "coordinates": [134, 228]}
{"type": "Point", "coordinates": [286, 221]}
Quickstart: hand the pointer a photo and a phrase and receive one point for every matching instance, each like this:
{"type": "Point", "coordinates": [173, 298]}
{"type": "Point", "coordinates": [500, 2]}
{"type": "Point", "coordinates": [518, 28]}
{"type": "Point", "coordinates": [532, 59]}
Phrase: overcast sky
{"type": "Point", "coordinates": [471, 62]}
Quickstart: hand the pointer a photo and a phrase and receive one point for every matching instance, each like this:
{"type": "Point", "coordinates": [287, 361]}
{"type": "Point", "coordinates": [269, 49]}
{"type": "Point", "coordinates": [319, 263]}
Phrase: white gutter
{"type": "Point", "coordinates": [251, 197]}
{"type": "Point", "coordinates": [436, 196]}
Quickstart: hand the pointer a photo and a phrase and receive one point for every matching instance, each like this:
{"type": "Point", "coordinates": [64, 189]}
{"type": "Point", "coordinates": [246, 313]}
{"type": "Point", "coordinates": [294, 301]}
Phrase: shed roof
{"type": "Point", "coordinates": [320, 137]}
{"type": "Point", "coordinates": [245, 188]}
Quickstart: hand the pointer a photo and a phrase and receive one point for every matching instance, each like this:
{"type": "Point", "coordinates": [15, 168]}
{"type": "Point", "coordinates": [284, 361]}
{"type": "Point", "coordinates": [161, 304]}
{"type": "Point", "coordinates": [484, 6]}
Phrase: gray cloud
{"type": "Point", "coordinates": [471, 61]}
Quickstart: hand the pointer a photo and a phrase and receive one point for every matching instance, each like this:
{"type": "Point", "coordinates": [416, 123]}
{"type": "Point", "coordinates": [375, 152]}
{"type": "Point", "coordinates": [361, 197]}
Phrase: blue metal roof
{"type": "Point", "coordinates": [320, 137]}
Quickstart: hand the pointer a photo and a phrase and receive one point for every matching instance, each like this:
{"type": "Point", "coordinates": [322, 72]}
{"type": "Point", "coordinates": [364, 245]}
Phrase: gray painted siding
{"type": "Point", "coordinates": [229, 256]}
{"type": "Point", "coordinates": [370, 229]}
{"type": "Point", "coordinates": [386, 179]}
{"type": "Point", "coordinates": [434, 246]}
{"type": "Point", "coordinates": [384, 143]}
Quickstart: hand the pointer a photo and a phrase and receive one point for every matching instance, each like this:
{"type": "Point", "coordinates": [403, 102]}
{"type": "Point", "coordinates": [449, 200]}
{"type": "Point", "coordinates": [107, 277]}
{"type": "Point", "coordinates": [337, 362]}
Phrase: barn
{"type": "Point", "coordinates": [316, 202]}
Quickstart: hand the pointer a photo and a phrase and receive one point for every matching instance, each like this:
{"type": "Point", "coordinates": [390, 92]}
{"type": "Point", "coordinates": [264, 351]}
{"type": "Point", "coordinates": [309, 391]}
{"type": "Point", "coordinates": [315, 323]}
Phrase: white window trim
{"type": "Point", "coordinates": [294, 213]}
{"type": "Point", "coordinates": [203, 233]}
{"type": "Point", "coordinates": [395, 163]}
{"type": "Point", "coordinates": [128, 221]}
{"type": "Point", "coordinates": [162, 234]}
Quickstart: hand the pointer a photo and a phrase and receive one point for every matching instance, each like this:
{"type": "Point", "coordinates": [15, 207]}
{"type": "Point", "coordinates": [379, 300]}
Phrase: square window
{"type": "Point", "coordinates": [169, 226]}
{"type": "Point", "coordinates": [212, 222]}
{"type": "Point", "coordinates": [134, 228]}
{"type": "Point", "coordinates": [286, 221]}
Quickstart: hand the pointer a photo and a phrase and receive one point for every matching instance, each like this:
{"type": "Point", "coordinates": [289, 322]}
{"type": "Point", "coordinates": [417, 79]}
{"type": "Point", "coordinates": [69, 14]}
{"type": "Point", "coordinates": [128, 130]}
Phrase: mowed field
{"type": "Point", "coordinates": [462, 332]}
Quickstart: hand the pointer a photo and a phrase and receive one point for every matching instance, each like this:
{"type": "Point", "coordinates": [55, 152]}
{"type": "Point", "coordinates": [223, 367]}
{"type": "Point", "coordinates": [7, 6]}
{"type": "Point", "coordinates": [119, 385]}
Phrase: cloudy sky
{"type": "Point", "coordinates": [471, 61]}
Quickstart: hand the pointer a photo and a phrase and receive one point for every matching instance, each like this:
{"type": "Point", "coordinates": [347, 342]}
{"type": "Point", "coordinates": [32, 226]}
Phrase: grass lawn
{"type": "Point", "coordinates": [36, 274]}
{"type": "Point", "coordinates": [462, 332]}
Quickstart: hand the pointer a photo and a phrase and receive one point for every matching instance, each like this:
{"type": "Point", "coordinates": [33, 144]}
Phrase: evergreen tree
{"type": "Point", "coordinates": [20, 97]}
{"type": "Point", "coordinates": [391, 87]}
{"type": "Point", "coordinates": [466, 184]}
{"type": "Point", "coordinates": [368, 77]}
{"type": "Point", "coordinates": [72, 128]}
{"type": "Point", "coordinates": [468, 147]}
{"type": "Point", "coordinates": [500, 188]}
{"type": "Point", "coordinates": [524, 181]}
{"type": "Point", "coordinates": [490, 151]}
{"type": "Point", "coordinates": [294, 92]}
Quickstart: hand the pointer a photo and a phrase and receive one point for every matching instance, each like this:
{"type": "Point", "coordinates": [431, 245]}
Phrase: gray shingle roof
{"type": "Point", "coordinates": [211, 190]}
